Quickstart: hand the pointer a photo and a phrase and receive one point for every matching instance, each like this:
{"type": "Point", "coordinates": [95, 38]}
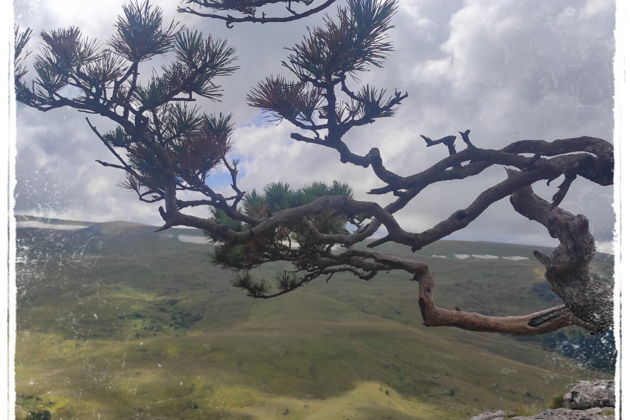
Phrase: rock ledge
{"type": "Point", "coordinates": [588, 400]}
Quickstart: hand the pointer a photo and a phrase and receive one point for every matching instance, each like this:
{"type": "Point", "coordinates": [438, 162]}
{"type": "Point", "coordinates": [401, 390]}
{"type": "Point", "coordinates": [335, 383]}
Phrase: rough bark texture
{"type": "Point", "coordinates": [588, 297]}
{"type": "Point", "coordinates": [167, 151]}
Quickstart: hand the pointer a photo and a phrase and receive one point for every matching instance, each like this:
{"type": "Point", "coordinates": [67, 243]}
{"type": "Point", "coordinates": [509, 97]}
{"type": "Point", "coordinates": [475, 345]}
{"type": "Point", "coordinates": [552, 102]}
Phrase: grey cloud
{"type": "Point", "coordinates": [57, 175]}
{"type": "Point", "coordinates": [506, 70]}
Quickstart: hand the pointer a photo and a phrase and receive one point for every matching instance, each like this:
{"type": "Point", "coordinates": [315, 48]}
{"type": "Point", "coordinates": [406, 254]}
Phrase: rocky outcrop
{"type": "Point", "coordinates": [588, 400]}
{"type": "Point", "coordinates": [497, 415]}
{"type": "Point", "coordinates": [589, 394]}
{"type": "Point", "coordinates": [598, 413]}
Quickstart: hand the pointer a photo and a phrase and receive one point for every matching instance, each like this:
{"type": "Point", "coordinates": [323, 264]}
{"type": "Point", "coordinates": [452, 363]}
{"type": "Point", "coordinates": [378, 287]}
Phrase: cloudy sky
{"type": "Point", "coordinates": [505, 69]}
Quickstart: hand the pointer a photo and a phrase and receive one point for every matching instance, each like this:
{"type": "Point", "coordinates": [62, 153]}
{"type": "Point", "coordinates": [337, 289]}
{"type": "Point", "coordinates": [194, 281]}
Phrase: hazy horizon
{"type": "Point", "coordinates": [506, 71]}
{"type": "Point", "coordinates": [602, 248]}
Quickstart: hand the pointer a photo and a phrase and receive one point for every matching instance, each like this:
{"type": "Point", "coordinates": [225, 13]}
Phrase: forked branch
{"type": "Point", "coordinates": [250, 11]}
{"type": "Point", "coordinates": [567, 269]}
{"type": "Point", "coordinates": [166, 147]}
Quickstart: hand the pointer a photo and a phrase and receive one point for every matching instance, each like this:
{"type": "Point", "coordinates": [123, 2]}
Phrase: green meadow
{"type": "Point", "coordinates": [118, 322]}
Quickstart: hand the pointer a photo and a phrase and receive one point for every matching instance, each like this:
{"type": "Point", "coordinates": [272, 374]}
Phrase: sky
{"type": "Point", "coordinates": [505, 69]}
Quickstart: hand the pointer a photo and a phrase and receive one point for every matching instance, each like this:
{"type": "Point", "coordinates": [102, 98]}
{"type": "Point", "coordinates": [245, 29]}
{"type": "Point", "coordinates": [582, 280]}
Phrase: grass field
{"type": "Point", "coordinates": [118, 322]}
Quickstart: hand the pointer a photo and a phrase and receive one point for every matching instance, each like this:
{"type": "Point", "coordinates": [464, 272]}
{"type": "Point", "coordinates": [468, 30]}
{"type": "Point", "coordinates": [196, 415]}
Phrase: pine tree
{"type": "Point", "coordinates": [165, 146]}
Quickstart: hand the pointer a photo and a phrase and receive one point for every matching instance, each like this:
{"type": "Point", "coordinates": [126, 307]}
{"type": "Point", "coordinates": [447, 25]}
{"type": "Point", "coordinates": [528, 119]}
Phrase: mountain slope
{"type": "Point", "coordinates": [116, 321]}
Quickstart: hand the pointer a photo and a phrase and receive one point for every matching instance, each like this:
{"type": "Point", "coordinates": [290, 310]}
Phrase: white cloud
{"type": "Point", "coordinates": [507, 70]}
{"type": "Point", "coordinates": [194, 239]}
{"type": "Point", "coordinates": [35, 224]}
{"type": "Point", "coordinates": [515, 258]}
{"type": "Point", "coordinates": [595, 7]}
{"type": "Point", "coordinates": [606, 247]}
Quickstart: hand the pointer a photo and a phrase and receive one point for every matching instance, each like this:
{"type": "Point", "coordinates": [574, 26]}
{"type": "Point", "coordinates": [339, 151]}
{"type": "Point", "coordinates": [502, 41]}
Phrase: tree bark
{"type": "Point", "coordinates": [567, 269]}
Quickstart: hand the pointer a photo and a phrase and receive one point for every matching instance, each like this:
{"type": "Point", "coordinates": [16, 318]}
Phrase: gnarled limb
{"type": "Point", "coordinates": [166, 147]}
{"type": "Point", "coordinates": [595, 164]}
{"type": "Point", "coordinates": [535, 323]}
{"type": "Point", "coordinates": [567, 269]}
{"type": "Point", "coordinates": [539, 322]}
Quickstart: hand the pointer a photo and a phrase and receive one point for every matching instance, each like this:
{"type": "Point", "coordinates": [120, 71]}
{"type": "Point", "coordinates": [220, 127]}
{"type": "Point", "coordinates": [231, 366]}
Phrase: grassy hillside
{"type": "Point", "coordinates": [118, 322]}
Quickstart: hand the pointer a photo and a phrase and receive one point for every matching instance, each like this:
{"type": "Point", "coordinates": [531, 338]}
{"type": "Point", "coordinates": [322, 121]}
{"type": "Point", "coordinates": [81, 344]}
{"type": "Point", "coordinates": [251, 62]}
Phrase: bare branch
{"type": "Point", "coordinates": [250, 16]}
{"type": "Point", "coordinates": [448, 141]}
{"type": "Point", "coordinates": [167, 147]}
{"type": "Point", "coordinates": [535, 323]}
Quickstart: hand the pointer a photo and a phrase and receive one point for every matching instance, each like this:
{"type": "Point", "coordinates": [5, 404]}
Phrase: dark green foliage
{"type": "Point", "coordinates": [195, 50]}
{"type": "Point", "coordinates": [180, 120]}
{"type": "Point", "coordinates": [287, 281]}
{"type": "Point", "coordinates": [255, 205]}
{"type": "Point", "coordinates": [320, 189]}
{"type": "Point", "coordinates": [153, 92]}
{"type": "Point", "coordinates": [140, 34]}
{"type": "Point", "coordinates": [182, 318]}
{"type": "Point", "coordinates": [105, 68]}
{"type": "Point", "coordinates": [279, 196]}
{"type": "Point", "coordinates": [206, 146]}
{"type": "Point", "coordinates": [194, 53]}
{"type": "Point", "coordinates": [231, 256]}
{"type": "Point", "coordinates": [65, 49]}
{"type": "Point", "coordinates": [282, 98]}
{"type": "Point", "coordinates": [62, 51]}
{"type": "Point", "coordinates": [350, 44]}
{"type": "Point", "coordinates": [254, 286]}
{"type": "Point", "coordinates": [369, 103]}
{"type": "Point", "coordinates": [21, 39]}
{"type": "Point", "coordinates": [222, 218]}
{"type": "Point", "coordinates": [556, 401]}
{"type": "Point", "coordinates": [292, 241]}
{"type": "Point", "coordinates": [164, 141]}
{"type": "Point", "coordinates": [197, 143]}
{"type": "Point", "coordinates": [323, 60]}
{"type": "Point", "coordinates": [169, 146]}
{"type": "Point", "coordinates": [39, 415]}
